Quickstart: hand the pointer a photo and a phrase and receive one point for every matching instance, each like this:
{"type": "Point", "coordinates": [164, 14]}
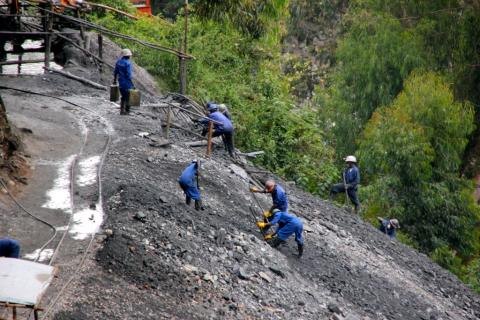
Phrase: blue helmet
{"type": "Point", "coordinates": [212, 107]}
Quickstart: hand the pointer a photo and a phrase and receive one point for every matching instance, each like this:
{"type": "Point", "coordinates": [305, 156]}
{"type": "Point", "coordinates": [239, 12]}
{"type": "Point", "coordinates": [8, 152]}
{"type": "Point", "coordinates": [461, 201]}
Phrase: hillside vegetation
{"type": "Point", "coordinates": [403, 96]}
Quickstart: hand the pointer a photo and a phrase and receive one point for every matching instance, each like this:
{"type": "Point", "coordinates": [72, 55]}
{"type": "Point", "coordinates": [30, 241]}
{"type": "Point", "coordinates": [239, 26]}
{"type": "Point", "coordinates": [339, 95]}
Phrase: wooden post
{"type": "Point", "coordinates": [210, 133]}
{"type": "Point", "coordinates": [82, 28]}
{"type": "Point", "coordinates": [100, 50]}
{"type": "Point", "coordinates": [169, 115]}
{"type": "Point", "coordinates": [14, 311]}
{"type": "Point", "coordinates": [183, 61]}
{"type": "Point", "coordinates": [35, 314]}
{"type": "Point", "coordinates": [19, 66]}
{"type": "Point", "coordinates": [48, 39]}
{"type": "Point", "coordinates": [183, 75]}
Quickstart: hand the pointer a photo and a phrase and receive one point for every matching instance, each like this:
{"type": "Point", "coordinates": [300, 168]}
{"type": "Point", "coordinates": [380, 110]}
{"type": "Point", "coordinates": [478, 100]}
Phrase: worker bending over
{"type": "Point", "coordinates": [388, 226]}
{"type": "Point", "coordinates": [9, 248]}
{"type": "Point", "coordinates": [123, 71]}
{"type": "Point", "coordinates": [224, 110]}
{"type": "Point", "coordinates": [351, 180]}
{"type": "Point", "coordinates": [279, 197]}
{"type": "Point", "coordinates": [222, 127]}
{"type": "Point", "coordinates": [189, 183]}
{"type": "Point", "coordinates": [287, 225]}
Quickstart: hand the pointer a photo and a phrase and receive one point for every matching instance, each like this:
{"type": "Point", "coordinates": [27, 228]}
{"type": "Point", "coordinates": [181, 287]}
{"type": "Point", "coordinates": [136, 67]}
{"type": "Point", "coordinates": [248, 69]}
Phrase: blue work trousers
{"type": "Point", "coordinates": [352, 193]}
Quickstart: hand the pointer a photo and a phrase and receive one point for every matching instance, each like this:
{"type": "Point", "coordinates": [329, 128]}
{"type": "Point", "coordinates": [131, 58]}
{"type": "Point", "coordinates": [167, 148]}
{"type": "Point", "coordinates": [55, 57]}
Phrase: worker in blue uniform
{"type": "Point", "coordinates": [389, 226]}
{"type": "Point", "coordinates": [224, 109]}
{"type": "Point", "coordinates": [9, 248]}
{"type": "Point", "coordinates": [222, 127]}
{"type": "Point", "coordinates": [288, 225]}
{"type": "Point", "coordinates": [189, 183]}
{"type": "Point", "coordinates": [351, 180]}
{"type": "Point", "coordinates": [279, 197]}
{"type": "Point", "coordinates": [123, 72]}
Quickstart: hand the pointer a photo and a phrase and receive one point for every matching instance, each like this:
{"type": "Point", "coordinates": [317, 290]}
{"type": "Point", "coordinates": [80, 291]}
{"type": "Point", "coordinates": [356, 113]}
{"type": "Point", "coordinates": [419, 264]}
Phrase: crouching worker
{"type": "Point", "coordinates": [9, 248]}
{"type": "Point", "coordinates": [388, 226]}
{"type": "Point", "coordinates": [222, 126]}
{"type": "Point", "coordinates": [189, 183]}
{"type": "Point", "coordinates": [287, 225]}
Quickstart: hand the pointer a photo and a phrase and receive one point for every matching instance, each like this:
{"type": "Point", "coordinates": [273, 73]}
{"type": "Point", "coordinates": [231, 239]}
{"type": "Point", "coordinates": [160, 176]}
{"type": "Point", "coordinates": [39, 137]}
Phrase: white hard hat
{"type": "Point", "coordinates": [351, 159]}
{"type": "Point", "coordinates": [222, 107]}
{"type": "Point", "coordinates": [394, 223]}
{"type": "Point", "coordinates": [126, 53]}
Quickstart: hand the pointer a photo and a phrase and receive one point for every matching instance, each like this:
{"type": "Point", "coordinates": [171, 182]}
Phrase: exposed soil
{"type": "Point", "coordinates": [161, 259]}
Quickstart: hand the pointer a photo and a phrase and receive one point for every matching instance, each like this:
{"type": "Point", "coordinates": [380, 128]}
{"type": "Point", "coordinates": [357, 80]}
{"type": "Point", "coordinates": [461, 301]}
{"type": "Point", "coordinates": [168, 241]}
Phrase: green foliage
{"type": "Point", "coordinates": [470, 275]}
{"type": "Point", "coordinates": [411, 151]}
{"type": "Point", "coordinates": [253, 18]}
{"type": "Point", "coordinates": [373, 60]}
{"type": "Point", "coordinates": [446, 258]}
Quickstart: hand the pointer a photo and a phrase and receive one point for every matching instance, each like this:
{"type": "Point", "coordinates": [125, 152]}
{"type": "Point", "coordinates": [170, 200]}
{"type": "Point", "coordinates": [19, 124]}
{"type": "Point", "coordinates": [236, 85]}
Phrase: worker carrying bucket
{"type": "Point", "coordinates": [123, 72]}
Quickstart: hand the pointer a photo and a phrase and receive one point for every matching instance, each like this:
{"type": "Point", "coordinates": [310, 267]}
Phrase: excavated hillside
{"type": "Point", "coordinates": [157, 258]}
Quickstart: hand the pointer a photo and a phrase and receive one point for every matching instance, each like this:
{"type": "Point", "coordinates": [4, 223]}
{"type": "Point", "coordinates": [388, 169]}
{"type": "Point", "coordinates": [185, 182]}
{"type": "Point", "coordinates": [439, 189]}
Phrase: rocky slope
{"type": "Point", "coordinates": [165, 260]}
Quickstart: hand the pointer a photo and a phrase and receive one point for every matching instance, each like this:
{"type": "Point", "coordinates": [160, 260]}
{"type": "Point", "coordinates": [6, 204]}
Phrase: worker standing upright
{"type": "Point", "coordinates": [287, 225]}
{"type": "Point", "coordinates": [9, 248]}
{"type": "Point", "coordinates": [189, 183]}
{"type": "Point", "coordinates": [223, 127]}
{"type": "Point", "coordinates": [351, 180]}
{"type": "Point", "coordinates": [279, 197]}
{"type": "Point", "coordinates": [123, 72]}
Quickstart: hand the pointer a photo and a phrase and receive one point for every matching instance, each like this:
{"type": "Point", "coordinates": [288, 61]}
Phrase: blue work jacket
{"type": "Point", "coordinates": [225, 126]}
{"type": "Point", "coordinates": [352, 176]}
{"type": "Point", "coordinates": [188, 181]}
{"type": "Point", "coordinates": [279, 199]}
{"type": "Point", "coordinates": [287, 225]}
{"type": "Point", "coordinates": [391, 232]}
{"type": "Point", "coordinates": [123, 70]}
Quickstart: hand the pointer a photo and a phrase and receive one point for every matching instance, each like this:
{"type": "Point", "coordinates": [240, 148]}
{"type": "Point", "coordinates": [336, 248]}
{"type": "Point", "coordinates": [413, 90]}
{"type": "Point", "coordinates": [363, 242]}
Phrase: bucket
{"type": "Point", "coordinates": [114, 93]}
{"type": "Point", "coordinates": [134, 98]}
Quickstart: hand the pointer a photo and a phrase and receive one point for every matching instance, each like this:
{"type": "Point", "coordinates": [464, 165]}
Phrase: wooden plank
{"type": "Point", "coordinates": [210, 133]}
{"type": "Point", "coordinates": [4, 63]}
{"type": "Point", "coordinates": [83, 80]}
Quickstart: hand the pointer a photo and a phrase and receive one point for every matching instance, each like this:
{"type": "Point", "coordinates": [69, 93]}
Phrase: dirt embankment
{"type": "Point", "coordinates": [180, 263]}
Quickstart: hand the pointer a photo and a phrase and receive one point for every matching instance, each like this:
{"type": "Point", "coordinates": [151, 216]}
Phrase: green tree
{"type": "Point", "coordinates": [373, 59]}
{"type": "Point", "coordinates": [411, 152]}
{"type": "Point", "coordinates": [253, 18]}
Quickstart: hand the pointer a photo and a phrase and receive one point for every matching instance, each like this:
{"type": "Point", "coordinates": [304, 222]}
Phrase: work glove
{"type": "Point", "coordinates": [267, 214]}
{"type": "Point", "coordinates": [268, 237]}
{"type": "Point", "coordinates": [254, 189]}
{"type": "Point", "coordinates": [261, 224]}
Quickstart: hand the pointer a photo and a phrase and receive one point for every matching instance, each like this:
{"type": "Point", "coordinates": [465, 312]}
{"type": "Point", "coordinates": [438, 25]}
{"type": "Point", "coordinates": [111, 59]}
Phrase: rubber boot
{"type": "Point", "coordinates": [188, 200]}
{"type": "Point", "coordinates": [357, 209]}
{"type": "Point", "coordinates": [122, 108]}
{"type": "Point", "coordinates": [127, 108]}
{"type": "Point", "coordinates": [300, 250]}
{"type": "Point", "coordinates": [276, 242]}
{"type": "Point", "coordinates": [198, 205]}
